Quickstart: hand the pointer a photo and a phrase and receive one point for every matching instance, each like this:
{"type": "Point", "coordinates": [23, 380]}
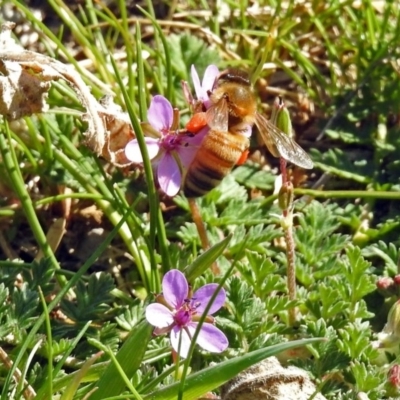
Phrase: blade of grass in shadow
{"type": "Point", "coordinates": [48, 148]}
{"type": "Point", "coordinates": [27, 149]}
{"type": "Point", "coordinates": [56, 43]}
{"type": "Point", "coordinates": [60, 197]}
{"type": "Point", "coordinates": [49, 338]}
{"type": "Point", "coordinates": [92, 375]}
{"type": "Point", "coordinates": [157, 380]}
{"type": "Point", "coordinates": [22, 384]}
{"type": "Point", "coordinates": [118, 367]}
{"type": "Point", "coordinates": [153, 196]}
{"type": "Point", "coordinates": [73, 385]}
{"type": "Point", "coordinates": [387, 25]}
{"type": "Point", "coordinates": [86, 175]}
{"type": "Point", "coordinates": [11, 165]}
{"type": "Point", "coordinates": [156, 219]}
{"type": "Point", "coordinates": [337, 194]}
{"type": "Point", "coordinates": [46, 391]}
{"type": "Point", "coordinates": [129, 358]}
{"type": "Point", "coordinates": [73, 281]}
{"type": "Point", "coordinates": [84, 36]}
{"type": "Point", "coordinates": [140, 74]}
{"type": "Point", "coordinates": [170, 95]}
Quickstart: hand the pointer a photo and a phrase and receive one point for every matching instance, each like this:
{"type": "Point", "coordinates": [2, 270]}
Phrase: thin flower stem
{"type": "Point", "coordinates": [308, 194]}
{"type": "Point", "coordinates": [349, 194]}
{"type": "Point", "coordinates": [281, 118]}
{"type": "Point", "coordinates": [156, 225]}
{"type": "Point", "coordinates": [286, 202]}
{"type": "Point", "coordinates": [203, 317]}
{"type": "Point", "coordinates": [283, 164]}
{"type": "Point", "coordinates": [201, 229]}
{"type": "Point", "coordinates": [291, 270]}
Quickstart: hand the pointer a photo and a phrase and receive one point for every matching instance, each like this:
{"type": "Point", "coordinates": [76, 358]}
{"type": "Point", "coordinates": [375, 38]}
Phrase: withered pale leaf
{"type": "Point", "coordinates": [24, 83]}
{"type": "Point", "coordinates": [119, 132]}
{"type": "Point", "coordinates": [30, 71]}
{"type": "Point", "coordinates": [21, 91]}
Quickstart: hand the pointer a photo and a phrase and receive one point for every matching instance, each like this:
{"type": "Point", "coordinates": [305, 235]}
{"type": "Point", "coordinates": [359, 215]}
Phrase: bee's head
{"type": "Point", "coordinates": [232, 75]}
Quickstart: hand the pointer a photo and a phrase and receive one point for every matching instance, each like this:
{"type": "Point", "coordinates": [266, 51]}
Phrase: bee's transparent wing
{"type": "Point", "coordinates": [217, 116]}
{"type": "Point", "coordinates": [281, 145]}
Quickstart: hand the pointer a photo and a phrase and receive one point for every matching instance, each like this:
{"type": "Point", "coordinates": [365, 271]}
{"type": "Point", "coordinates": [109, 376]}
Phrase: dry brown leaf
{"type": "Point", "coordinates": [54, 236]}
{"type": "Point", "coordinates": [26, 80]}
{"type": "Point", "coordinates": [119, 132]}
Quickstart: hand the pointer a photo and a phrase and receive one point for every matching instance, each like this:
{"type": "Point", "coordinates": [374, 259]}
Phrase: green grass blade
{"type": "Point", "coordinates": [129, 357]}
{"type": "Point", "coordinates": [203, 262]}
{"type": "Point", "coordinates": [213, 377]}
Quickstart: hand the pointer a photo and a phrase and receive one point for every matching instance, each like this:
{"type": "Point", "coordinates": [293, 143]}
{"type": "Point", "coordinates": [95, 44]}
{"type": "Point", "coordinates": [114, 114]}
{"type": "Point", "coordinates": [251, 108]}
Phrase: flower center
{"type": "Point", "coordinates": [171, 141]}
{"type": "Point", "coordinates": [184, 315]}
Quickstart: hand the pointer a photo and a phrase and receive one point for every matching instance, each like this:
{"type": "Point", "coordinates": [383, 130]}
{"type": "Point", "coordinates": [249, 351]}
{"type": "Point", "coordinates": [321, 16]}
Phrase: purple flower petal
{"type": "Point", "coordinates": [203, 296]}
{"type": "Point", "coordinates": [186, 156]}
{"type": "Point", "coordinates": [133, 153]}
{"type": "Point", "coordinates": [198, 137]}
{"type": "Point", "coordinates": [211, 338]}
{"type": "Point", "coordinates": [159, 316]}
{"type": "Point", "coordinates": [188, 149]}
{"type": "Point", "coordinates": [184, 342]}
{"type": "Point", "coordinates": [160, 113]}
{"type": "Point", "coordinates": [196, 82]}
{"type": "Point", "coordinates": [210, 75]}
{"type": "Point", "coordinates": [175, 288]}
{"type": "Point", "coordinates": [169, 175]}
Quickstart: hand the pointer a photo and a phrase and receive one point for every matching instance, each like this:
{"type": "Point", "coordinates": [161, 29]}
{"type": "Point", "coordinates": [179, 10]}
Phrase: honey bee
{"type": "Point", "coordinates": [232, 114]}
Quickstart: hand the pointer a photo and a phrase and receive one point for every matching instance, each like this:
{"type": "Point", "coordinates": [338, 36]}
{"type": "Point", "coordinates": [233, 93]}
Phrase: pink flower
{"type": "Point", "coordinates": [179, 313]}
{"type": "Point", "coordinates": [202, 88]}
{"type": "Point", "coordinates": [171, 151]}
{"type": "Point", "coordinates": [203, 101]}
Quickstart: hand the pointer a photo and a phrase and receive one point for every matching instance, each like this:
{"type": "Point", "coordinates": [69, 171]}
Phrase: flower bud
{"type": "Point", "coordinates": [285, 196]}
{"type": "Point", "coordinates": [386, 286]}
{"type": "Point", "coordinates": [394, 376]}
{"type": "Point", "coordinates": [280, 117]}
{"type": "Point", "coordinates": [393, 323]}
{"type": "Point", "coordinates": [393, 381]}
{"type": "Point", "coordinates": [390, 335]}
{"type": "Point", "coordinates": [384, 283]}
{"type": "Point", "coordinates": [396, 280]}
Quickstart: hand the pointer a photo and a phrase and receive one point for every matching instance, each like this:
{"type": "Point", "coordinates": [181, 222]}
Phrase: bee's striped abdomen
{"type": "Point", "coordinates": [216, 157]}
